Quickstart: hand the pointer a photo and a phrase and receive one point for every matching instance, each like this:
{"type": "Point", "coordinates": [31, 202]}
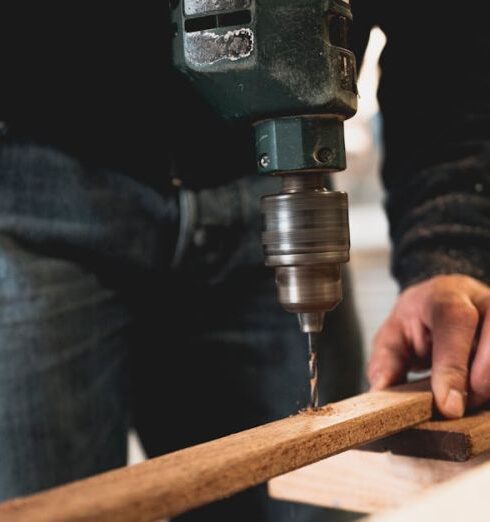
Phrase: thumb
{"type": "Point", "coordinates": [453, 326]}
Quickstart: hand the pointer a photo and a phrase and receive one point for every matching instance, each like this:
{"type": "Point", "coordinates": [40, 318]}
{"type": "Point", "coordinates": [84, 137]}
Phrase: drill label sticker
{"type": "Point", "coordinates": [206, 48]}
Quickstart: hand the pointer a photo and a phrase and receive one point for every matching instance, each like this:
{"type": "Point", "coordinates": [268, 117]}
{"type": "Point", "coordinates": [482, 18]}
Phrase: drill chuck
{"type": "Point", "coordinates": [306, 239]}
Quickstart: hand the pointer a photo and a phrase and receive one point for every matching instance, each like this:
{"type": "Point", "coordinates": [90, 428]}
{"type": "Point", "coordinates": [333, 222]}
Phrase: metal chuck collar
{"type": "Point", "coordinates": [306, 238]}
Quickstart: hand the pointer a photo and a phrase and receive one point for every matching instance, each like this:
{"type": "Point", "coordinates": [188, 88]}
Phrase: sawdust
{"type": "Point", "coordinates": [321, 410]}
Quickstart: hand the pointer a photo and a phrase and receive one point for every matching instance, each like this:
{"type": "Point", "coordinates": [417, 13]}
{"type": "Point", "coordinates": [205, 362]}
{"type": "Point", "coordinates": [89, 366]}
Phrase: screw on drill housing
{"type": "Point", "coordinates": [264, 161]}
{"type": "Point", "coordinates": [324, 155]}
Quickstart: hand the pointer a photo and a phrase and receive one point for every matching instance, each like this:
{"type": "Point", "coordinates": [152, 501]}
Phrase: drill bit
{"type": "Point", "coordinates": [313, 367]}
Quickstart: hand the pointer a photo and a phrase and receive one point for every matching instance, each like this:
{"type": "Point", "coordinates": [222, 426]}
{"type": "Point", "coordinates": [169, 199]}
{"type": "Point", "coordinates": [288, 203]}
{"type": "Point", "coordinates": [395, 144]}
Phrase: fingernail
{"type": "Point", "coordinates": [455, 404]}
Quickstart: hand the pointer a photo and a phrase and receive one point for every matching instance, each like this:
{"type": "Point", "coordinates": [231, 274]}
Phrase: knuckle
{"type": "Point", "coordinates": [455, 311]}
{"type": "Point", "coordinates": [455, 371]}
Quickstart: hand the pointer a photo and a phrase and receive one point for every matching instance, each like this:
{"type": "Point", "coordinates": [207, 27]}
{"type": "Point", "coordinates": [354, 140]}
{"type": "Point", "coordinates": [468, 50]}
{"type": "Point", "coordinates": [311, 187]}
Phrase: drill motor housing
{"type": "Point", "coordinates": [262, 59]}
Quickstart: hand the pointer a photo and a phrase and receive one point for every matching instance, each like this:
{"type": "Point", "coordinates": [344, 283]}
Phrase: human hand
{"type": "Point", "coordinates": [443, 322]}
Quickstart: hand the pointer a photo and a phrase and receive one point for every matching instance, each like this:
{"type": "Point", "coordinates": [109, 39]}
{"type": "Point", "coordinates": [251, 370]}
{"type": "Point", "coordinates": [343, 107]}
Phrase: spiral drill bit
{"type": "Point", "coordinates": [313, 367]}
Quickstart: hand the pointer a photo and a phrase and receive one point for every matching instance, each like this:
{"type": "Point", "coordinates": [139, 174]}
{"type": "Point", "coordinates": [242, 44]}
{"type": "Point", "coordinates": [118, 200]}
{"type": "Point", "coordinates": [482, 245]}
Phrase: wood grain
{"type": "Point", "coordinates": [183, 480]}
{"type": "Point", "coordinates": [463, 498]}
{"type": "Point", "coordinates": [456, 440]}
{"type": "Point", "coordinates": [365, 481]}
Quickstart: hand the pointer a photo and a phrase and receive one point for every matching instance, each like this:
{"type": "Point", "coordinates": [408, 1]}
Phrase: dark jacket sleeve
{"type": "Point", "coordinates": [435, 99]}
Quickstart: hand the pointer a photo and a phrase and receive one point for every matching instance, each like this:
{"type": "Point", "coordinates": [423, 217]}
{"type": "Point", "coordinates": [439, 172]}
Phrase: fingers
{"type": "Point", "coordinates": [390, 358]}
{"type": "Point", "coordinates": [421, 342]}
{"type": "Point", "coordinates": [453, 320]}
{"type": "Point", "coordinates": [438, 320]}
{"type": "Point", "coordinates": [480, 369]}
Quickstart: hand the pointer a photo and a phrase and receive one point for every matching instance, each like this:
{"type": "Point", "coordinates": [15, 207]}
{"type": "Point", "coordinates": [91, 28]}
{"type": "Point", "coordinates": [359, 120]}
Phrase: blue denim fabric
{"type": "Point", "coordinates": [97, 331]}
{"type": "Point", "coordinates": [63, 365]}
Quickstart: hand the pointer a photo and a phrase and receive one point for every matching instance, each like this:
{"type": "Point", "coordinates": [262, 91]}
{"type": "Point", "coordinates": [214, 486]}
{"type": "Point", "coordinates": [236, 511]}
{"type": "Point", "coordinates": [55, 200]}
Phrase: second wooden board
{"type": "Point", "coordinates": [366, 481]}
{"type": "Point", "coordinates": [456, 440]}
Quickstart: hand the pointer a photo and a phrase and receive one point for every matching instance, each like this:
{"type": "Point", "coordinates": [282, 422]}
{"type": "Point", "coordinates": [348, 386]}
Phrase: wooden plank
{"type": "Point", "coordinates": [366, 482]}
{"type": "Point", "coordinates": [463, 498]}
{"type": "Point", "coordinates": [183, 480]}
{"type": "Point", "coordinates": [455, 440]}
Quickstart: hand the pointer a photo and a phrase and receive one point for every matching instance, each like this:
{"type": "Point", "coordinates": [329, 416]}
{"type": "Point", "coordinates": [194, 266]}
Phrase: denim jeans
{"type": "Point", "coordinates": [98, 333]}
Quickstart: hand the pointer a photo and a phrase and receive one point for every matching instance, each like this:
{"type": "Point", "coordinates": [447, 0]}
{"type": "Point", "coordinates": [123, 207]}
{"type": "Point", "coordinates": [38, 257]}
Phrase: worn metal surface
{"type": "Point", "coordinates": [209, 47]}
{"type": "Point", "coordinates": [306, 239]}
{"type": "Point", "coordinates": [301, 143]}
{"type": "Point", "coordinates": [280, 62]}
{"type": "Point", "coordinates": [195, 7]}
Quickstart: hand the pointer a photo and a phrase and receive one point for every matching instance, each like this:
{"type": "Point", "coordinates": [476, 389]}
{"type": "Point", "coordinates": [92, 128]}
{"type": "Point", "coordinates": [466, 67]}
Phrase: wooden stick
{"type": "Point", "coordinates": [183, 480]}
{"type": "Point", "coordinates": [456, 440]}
{"type": "Point", "coordinates": [366, 481]}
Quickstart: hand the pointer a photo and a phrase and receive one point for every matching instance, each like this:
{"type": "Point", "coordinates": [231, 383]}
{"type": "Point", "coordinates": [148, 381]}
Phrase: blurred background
{"type": "Point", "coordinates": [374, 288]}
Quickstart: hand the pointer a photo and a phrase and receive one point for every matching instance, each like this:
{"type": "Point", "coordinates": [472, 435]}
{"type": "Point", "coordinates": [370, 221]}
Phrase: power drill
{"type": "Point", "coordinates": [285, 67]}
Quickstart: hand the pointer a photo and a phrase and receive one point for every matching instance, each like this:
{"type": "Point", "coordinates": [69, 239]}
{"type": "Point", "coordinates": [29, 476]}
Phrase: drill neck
{"type": "Point", "coordinates": [293, 183]}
